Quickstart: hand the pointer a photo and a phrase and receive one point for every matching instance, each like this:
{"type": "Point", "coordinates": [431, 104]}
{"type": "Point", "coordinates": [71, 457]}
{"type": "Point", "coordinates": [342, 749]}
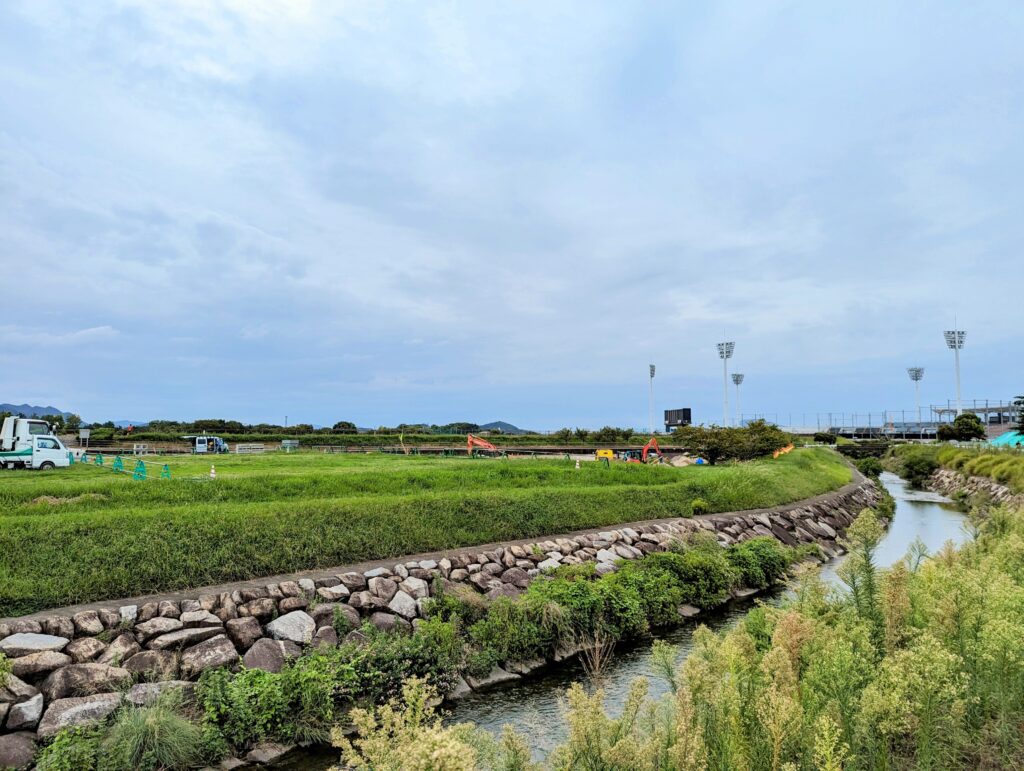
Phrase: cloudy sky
{"type": "Point", "coordinates": [389, 212]}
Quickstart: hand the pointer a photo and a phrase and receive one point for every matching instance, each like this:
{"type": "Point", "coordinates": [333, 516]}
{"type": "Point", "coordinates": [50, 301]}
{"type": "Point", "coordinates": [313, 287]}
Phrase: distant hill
{"type": "Point", "coordinates": [126, 423]}
{"type": "Point", "coordinates": [505, 428]}
{"type": "Point", "coordinates": [31, 410]}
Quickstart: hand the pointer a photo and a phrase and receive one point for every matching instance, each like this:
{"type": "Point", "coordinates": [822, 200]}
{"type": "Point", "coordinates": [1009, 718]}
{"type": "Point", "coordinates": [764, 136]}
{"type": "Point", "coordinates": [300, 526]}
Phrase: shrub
{"type": "Point", "coordinates": [704, 574]}
{"type": "Point", "coordinates": [73, 749]}
{"type": "Point", "coordinates": [658, 589]}
{"type": "Point", "coordinates": [434, 652]}
{"type": "Point", "coordinates": [823, 437]}
{"type": "Point", "coordinates": [760, 562]}
{"type": "Point", "coordinates": [870, 467]}
{"type": "Point", "coordinates": [699, 506]}
{"type": "Point", "coordinates": [456, 602]}
{"type": "Point", "coordinates": [510, 632]}
{"type": "Point", "coordinates": [5, 669]}
{"type": "Point", "coordinates": [340, 623]}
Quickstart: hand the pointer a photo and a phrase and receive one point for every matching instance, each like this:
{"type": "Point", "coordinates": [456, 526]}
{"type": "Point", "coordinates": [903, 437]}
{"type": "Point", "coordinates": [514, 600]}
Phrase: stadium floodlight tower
{"type": "Point", "coordinates": [650, 402]}
{"type": "Point", "coordinates": [916, 374]}
{"type": "Point", "coordinates": [955, 340]}
{"type": "Point", "coordinates": [737, 378]}
{"type": "Point", "coordinates": [725, 353]}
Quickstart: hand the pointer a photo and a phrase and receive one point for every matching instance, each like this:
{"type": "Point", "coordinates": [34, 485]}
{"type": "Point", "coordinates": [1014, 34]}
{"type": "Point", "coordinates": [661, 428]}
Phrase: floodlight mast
{"type": "Point", "coordinates": [725, 351]}
{"type": "Point", "coordinates": [650, 402]}
{"type": "Point", "coordinates": [916, 374]}
{"type": "Point", "coordinates": [737, 378]}
{"type": "Point", "coordinates": [955, 339]}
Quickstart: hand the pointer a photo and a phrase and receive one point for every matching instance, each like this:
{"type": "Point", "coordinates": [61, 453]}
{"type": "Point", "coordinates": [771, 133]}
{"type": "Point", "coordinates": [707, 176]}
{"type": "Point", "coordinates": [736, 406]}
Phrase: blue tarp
{"type": "Point", "coordinates": [1009, 439]}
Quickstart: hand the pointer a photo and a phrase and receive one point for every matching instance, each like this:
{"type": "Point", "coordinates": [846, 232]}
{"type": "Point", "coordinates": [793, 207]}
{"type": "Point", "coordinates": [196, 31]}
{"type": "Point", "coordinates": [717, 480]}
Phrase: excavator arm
{"type": "Point", "coordinates": [651, 445]}
{"type": "Point", "coordinates": [476, 441]}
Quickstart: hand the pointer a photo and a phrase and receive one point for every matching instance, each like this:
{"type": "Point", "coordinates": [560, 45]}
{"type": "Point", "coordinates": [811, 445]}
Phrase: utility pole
{"type": "Point", "coordinates": [916, 373]}
{"type": "Point", "coordinates": [650, 402]}
{"type": "Point", "coordinates": [737, 378]}
{"type": "Point", "coordinates": [725, 353]}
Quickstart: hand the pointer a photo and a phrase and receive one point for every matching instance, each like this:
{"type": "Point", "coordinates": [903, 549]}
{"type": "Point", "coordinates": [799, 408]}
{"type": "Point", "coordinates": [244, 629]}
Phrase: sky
{"type": "Point", "coordinates": [428, 212]}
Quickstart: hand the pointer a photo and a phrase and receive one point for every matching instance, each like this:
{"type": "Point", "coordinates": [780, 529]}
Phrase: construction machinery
{"type": "Point", "coordinates": [641, 455]}
{"type": "Point", "coordinates": [475, 441]}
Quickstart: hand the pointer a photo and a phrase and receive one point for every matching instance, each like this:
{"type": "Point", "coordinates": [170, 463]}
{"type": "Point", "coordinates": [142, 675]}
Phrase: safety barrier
{"type": "Point", "coordinates": [139, 473]}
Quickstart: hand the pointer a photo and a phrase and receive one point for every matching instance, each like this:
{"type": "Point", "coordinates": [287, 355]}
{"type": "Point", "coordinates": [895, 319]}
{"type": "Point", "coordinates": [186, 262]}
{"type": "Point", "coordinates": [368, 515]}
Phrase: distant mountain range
{"type": "Point", "coordinates": [32, 410]}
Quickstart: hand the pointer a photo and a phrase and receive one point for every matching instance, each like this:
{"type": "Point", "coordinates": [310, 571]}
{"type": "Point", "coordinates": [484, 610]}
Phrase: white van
{"type": "Point", "coordinates": [29, 443]}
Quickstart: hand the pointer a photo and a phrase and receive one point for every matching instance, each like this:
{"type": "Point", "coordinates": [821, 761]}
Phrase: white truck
{"type": "Point", "coordinates": [28, 443]}
{"type": "Point", "coordinates": [204, 445]}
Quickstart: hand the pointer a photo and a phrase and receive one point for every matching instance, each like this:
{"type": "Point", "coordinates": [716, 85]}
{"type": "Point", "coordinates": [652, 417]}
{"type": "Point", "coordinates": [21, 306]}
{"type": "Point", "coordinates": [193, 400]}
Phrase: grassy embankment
{"type": "Point", "coordinates": [102, 535]}
{"type": "Point", "coordinates": [916, 462]}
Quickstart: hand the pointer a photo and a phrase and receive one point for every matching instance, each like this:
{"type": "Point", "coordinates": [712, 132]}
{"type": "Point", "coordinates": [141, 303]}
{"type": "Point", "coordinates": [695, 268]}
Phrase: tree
{"type": "Point", "coordinates": [968, 426]}
{"type": "Point", "coordinates": [345, 427]}
{"type": "Point", "coordinates": [73, 422]}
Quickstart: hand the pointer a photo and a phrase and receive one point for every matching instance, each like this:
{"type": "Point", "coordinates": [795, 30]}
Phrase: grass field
{"type": "Point", "coordinates": [86, 533]}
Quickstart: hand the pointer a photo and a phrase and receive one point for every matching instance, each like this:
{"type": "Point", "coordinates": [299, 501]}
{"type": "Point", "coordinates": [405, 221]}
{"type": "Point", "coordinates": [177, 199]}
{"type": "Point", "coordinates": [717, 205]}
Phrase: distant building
{"type": "Point", "coordinates": [677, 418]}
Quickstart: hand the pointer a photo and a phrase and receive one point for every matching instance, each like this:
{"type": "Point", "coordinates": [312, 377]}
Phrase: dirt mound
{"type": "Point", "coordinates": [52, 500]}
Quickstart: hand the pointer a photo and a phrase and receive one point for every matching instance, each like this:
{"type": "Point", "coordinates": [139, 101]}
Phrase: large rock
{"type": "Point", "coordinates": [384, 588]}
{"type": "Point", "coordinates": [59, 626]}
{"type": "Point", "coordinates": [268, 752]}
{"type": "Point", "coordinates": [88, 623]}
{"type": "Point", "coordinates": [156, 627]}
{"type": "Point", "coordinates": [17, 750]}
{"type": "Point", "coordinates": [84, 649]}
{"type": "Point", "coordinates": [548, 564]}
{"type": "Point", "coordinates": [183, 638]}
{"type": "Point", "coordinates": [199, 618]}
{"type": "Point", "coordinates": [14, 690]}
{"type": "Point", "coordinates": [82, 680]}
{"type": "Point", "coordinates": [325, 637]}
{"type": "Point", "coordinates": [354, 582]}
{"type": "Point", "coordinates": [415, 587]}
{"type": "Point", "coordinates": [403, 605]}
{"type": "Point", "coordinates": [211, 654]}
{"type": "Point", "coordinates": [84, 710]}
{"type": "Point", "coordinates": [27, 643]}
{"type": "Point", "coordinates": [270, 655]}
{"type": "Point", "coordinates": [244, 632]}
{"type": "Point", "coordinates": [516, 576]}
{"type": "Point", "coordinates": [120, 650]}
{"type": "Point", "coordinates": [146, 694]}
{"type": "Point", "coordinates": [297, 626]}
{"type": "Point", "coordinates": [494, 677]}
{"type": "Point", "coordinates": [388, 622]}
{"type": "Point", "coordinates": [162, 665]}
{"type": "Point", "coordinates": [26, 715]}
{"type": "Point", "coordinates": [262, 608]}
{"type": "Point", "coordinates": [37, 663]}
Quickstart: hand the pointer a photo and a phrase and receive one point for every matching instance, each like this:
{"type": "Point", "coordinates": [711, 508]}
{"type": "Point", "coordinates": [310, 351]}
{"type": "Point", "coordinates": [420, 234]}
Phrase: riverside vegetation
{"type": "Point", "coordinates": [918, 666]}
{"type": "Point", "coordinates": [464, 635]}
{"type": "Point", "coordinates": [917, 462]}
{"type": "Point", "coordinates": [87, 533]}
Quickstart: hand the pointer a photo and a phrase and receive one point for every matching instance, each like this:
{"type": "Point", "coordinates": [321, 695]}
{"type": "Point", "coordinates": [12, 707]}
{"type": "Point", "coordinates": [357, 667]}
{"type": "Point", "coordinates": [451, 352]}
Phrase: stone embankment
{"type": "Point", "coordinates": [952, 483]}
{"type": "Point", "coordinates": [73, 669]}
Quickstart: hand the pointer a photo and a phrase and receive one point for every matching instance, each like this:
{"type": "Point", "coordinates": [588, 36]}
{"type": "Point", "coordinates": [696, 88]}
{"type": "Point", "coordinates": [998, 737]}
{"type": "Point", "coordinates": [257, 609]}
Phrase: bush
{"type": "Point", "coordinates": [704, 574]}
{"type": "Point", "coordinates": [870, 467]}
{"type": "Point", "coordinates": [700, 506]}
{"type": "Point", "coordinates": [5, 669]}
{"type": "Point", "coordinates": [916, 463]}
{"type": "Point", "coordinates": [760, 562]}
{"type": "Point", "coordinates": [823, 437]}
{"type": "Point", "coordinates": [510, 632]}
{"type": "Point", "coordinates": [73, 749]}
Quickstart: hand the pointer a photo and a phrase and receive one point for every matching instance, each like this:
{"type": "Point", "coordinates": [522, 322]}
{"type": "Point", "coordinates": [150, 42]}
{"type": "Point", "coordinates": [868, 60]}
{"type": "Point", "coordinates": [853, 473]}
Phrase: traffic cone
{"type": "Point", "coordinates": [213, 472]}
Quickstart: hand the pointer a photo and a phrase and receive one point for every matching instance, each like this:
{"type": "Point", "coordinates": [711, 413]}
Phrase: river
{"type": "Point", "coordinates": [533, 705]}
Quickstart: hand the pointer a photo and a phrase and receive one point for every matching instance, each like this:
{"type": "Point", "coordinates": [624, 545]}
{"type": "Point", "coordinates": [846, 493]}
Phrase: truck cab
{"type": "Point", "coordinates": [27, 443]}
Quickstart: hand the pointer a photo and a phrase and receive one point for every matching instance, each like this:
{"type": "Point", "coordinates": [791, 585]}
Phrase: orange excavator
{"type": "Point", "coordinates": [640, 456]}
{"type": "Point", "coordinates": [476, 441]}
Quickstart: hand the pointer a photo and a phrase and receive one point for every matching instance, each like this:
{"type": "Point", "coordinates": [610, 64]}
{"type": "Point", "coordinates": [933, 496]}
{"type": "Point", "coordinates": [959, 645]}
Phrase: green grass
{"type": "Point", "coordinates": [109, 536]}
